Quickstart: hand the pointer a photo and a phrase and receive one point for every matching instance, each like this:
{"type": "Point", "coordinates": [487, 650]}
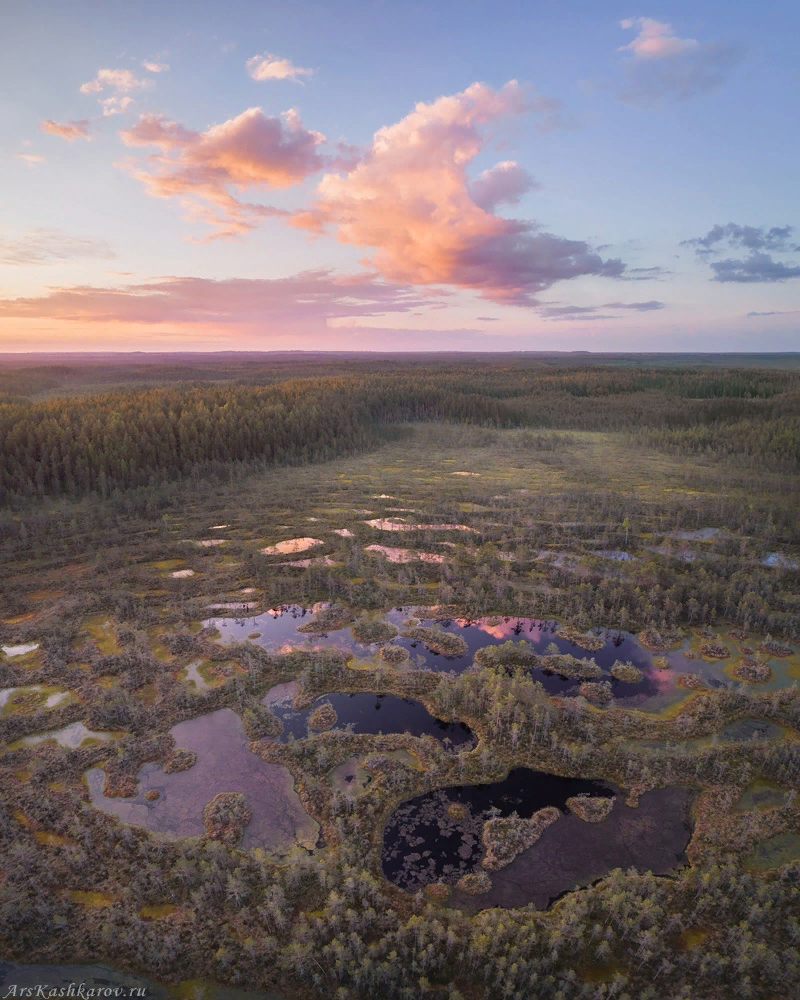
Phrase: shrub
{"type": "Point", "coordinates": [323, 717]}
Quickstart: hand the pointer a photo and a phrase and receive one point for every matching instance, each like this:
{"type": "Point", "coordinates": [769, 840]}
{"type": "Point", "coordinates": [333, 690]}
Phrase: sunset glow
{"type": "Point", "coordinates": [400, 177]}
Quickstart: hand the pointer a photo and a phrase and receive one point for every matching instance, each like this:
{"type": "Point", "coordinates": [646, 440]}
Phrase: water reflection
{"type": "Point", "coordinates": [224, 764]}
{"type": "Point", "coordinates": [655, 692]}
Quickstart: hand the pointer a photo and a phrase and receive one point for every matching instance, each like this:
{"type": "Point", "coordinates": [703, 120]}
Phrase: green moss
{"type": "Point", "coordinates": [774, 852]}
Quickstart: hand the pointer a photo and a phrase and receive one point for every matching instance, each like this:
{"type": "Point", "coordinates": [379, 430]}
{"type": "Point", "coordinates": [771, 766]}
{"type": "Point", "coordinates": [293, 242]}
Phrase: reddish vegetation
{"type": "Point", "coordinates": [752, 672]}
{"type": "Point", "coordinates": [591, 808]}
{"type": "Point", "coordinates": [323, 717]}
{"type": "Point", "coordinates": [181, 760]}
{"type": "Point", "coordinates": [691, 681]}
{"type": "Point", "coordinates": [715, 649]}
{"type": "Point", "coordinates": [475, 883]}
{"type": "Point", "coordinates": [226, 816]}
{"type": "Point", "coordinates": [504, 838]}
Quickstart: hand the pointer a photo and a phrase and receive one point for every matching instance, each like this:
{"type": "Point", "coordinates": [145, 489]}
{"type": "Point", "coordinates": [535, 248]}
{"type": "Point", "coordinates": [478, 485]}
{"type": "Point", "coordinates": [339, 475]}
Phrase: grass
{"type": "Point", "coordinates": [92, 899]}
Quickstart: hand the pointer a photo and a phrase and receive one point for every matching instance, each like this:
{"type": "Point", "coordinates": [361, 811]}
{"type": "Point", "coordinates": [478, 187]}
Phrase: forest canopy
{"type": "Point", "coordinates": [128, 438]}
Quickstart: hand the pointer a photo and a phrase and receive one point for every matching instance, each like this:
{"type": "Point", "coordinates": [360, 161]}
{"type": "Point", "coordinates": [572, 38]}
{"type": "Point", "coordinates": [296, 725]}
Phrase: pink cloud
{"type": "Point", "coordinates": [155, 67]}
{"type": "Point", "coordinates": [249, 151]}
{"type": "Point", "coordinates": [655, 39]}
{"type": "Point", "coordinates": [67, 130]}
{"type": "Point", "coordinates": [271, 67]}
{"type": "Point", "coordinates": [311, 295]}
{"type": "Point", "coordinates": [502, 630]}
{"type": "Point", "coordinates": [410, 198]}
{"type": "Point", "coordinates": [121, 80]}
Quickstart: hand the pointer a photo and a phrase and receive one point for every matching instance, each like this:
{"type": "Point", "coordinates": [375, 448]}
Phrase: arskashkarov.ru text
{"type": "Point", "coordinates": [73, 990]}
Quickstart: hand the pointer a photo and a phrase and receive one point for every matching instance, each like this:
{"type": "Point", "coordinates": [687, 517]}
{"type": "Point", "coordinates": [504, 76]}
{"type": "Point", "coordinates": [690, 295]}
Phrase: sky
{"type": "Point", "coordinates": [401, 176]}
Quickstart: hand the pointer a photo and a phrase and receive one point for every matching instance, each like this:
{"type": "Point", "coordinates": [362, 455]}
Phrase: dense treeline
{"type": "Point", "coordinates": [123, 440]}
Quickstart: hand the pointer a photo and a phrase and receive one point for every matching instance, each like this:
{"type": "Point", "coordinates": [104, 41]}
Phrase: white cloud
{"type": "Point", "coordinates": [271, 67]}
{"type": "Point", "coordinates": [115, 105]}
{"type": "Point", "coordinates": [30, 159]}
{"type": "Point", "coordinates": [121, 80]}
{"type": "Point", "coordinates": [49, 246]}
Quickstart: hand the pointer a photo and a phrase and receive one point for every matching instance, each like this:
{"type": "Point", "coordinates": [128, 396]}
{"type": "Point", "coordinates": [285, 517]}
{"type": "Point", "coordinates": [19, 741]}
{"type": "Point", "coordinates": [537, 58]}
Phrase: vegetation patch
{"type": "Point", "coordinates": [505, 837]}
{"type": "Point", "coordinates": [626, 672]}
{"type": "Point", "coordinates": [775, 649]}
{"type": "Point", "coordinates": [437, 640]}
{"type": "Point", "coordinates": [157, 911]}
{"type": "Point", "coordinates": [591, 808]}
{"type": "Point", "coordinates": [370, 628]}
{"type": "Point", "coordinates": [774, 852]}
{"type": "Point", "coordinates": [323, 717]}
{"type": "Point", "coordinates": [507, 655]}
{"type": "Point", "coordinates": [226, 816]}
{"type": "Point", "coordinates": [181, 760]}
{"type": "Point", "coordinates": [599, 692]}
{"type": "Point", "coordinates": [438, 892]}
{"type": "Point", "coordinates": [394, 654]}
{"type": "Point", "coordinates": [751, 672]}
{"type": "Point", "coordinates": [90, 898]}
{"type": "Point", "coordinates": [659, 641]}
{"type": "Point", "coordinates": [715, 650]}
{"type": "Point", "coordinates": [52, 839]}
{"type": "Point", "coordinates": [329, 619]}
{"type": "Point", "coordinates": [692, 682]}
{"type": "Point", "coordinates": [578, 637]}
{"type": "Point", "coordinates": [566, 665]}
{"type": "Point", "coordinates": [475, 883]}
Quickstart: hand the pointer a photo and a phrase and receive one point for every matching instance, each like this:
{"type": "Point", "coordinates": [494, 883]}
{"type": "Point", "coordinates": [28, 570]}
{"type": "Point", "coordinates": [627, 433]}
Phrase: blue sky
{"type": "Point", "coordinates": [146, 207]}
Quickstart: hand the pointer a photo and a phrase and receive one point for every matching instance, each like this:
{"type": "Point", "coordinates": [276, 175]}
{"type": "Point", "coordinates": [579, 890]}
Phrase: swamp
{"type": "Point", "coordinates": [454, 677]}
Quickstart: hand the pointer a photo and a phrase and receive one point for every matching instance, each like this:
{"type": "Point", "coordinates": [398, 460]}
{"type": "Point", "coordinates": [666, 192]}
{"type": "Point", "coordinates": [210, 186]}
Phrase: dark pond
{"type": "Point", "coordinates": [95, 977]}
{"type": "Point", "coordinates": [423, 843]}
{"type": "Point", "coordinates": [373, 713]}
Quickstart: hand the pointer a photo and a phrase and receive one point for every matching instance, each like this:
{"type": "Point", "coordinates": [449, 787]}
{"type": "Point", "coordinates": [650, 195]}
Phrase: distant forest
{"type": "Point", "coordinates": [106, 441]}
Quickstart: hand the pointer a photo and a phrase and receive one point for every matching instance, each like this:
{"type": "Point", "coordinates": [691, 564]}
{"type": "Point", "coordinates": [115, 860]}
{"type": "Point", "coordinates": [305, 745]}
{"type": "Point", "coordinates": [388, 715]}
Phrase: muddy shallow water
{"type": "Point", "coordinates": [224, 764]}
{"type": "Point", "coordinates": [424, 844]}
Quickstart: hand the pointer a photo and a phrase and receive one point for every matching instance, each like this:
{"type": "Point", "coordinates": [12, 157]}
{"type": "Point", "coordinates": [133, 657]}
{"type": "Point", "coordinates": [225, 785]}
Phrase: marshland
{"type": "Point", "coordinates": [450, 677]}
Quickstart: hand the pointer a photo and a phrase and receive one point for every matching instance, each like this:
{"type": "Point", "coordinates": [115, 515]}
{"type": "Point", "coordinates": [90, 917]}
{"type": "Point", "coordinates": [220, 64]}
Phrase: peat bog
{"type": "Point", "coordinates": [523, 713]}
